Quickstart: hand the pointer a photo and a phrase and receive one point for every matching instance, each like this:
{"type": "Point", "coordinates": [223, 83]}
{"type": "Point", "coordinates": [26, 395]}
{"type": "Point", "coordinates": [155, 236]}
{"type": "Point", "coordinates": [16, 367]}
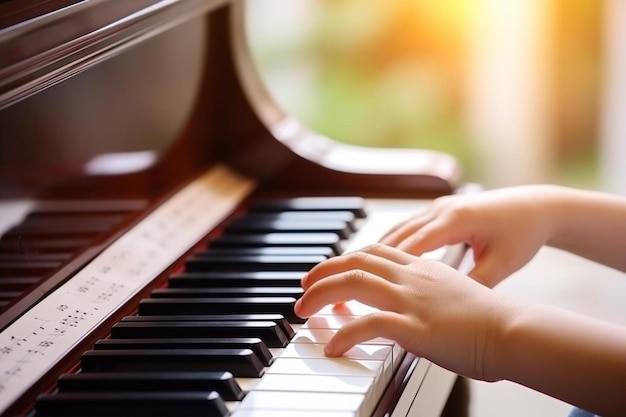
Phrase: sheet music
{"type": "Point", "coordinates": [40, 338]}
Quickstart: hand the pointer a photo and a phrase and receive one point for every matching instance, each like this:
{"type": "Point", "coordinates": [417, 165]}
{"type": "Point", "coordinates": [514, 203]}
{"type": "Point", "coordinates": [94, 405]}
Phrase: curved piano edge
{"type": "Point", "coordinates": [426, 392]}
{"type": "Point", "coordinates": [319, 160]}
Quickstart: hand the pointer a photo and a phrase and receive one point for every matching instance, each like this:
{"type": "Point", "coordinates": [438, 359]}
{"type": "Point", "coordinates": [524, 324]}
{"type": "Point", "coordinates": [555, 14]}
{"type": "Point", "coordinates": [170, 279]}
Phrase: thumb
{"type": "Point", "coordinates": [488, 269]}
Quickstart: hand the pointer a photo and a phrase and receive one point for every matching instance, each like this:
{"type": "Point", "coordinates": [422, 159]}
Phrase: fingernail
{"type": "Point", "coordinates": [297, 306]}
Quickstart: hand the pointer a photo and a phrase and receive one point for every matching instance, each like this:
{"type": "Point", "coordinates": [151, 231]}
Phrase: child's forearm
{"type": "Point", "coordinates": [589, 224]}
{"type": "Point", "coordinates": [568, 356]}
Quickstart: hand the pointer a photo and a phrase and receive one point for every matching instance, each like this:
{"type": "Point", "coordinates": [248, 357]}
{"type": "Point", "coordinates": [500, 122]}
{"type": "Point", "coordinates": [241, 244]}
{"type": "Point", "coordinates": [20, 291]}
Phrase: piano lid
{"type": "Point", "coordinates": [98, 89]}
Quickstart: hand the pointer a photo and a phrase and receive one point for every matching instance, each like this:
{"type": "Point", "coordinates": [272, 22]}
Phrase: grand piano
{"type": "Point", "coordinates": [157, 212]}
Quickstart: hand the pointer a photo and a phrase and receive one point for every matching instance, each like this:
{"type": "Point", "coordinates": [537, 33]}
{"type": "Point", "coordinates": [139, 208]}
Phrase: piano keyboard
{"type": "Point", "coordinates": [220, 338]}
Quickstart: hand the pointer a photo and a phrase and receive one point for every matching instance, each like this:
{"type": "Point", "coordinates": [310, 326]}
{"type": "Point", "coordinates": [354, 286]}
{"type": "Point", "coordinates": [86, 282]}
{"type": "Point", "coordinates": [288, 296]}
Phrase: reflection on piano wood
{"type": "Point", "coordinates": [167, 287]}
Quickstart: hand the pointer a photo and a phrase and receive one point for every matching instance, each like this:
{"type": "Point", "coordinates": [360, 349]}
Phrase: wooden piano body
{"type": "Point", "coordinates": [132, 104]}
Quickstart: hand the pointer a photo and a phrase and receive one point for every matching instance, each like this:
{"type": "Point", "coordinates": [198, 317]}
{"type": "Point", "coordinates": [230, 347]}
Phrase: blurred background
{"type": "Point", "coordinates": [520, 91]}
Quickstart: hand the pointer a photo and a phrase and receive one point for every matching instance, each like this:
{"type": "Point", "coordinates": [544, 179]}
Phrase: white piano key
{"type": "Point", "coordinates": [276, 352]}
{"type": "Point", "coordinates": [316, 383]}
{"type": "Point", "coordinates": [304, 401]}
{"type": "Point", "coordinates": [375, 361]}
{"type": "Point", "coordinates": [304, 350]}
{"type": "Point", "coordinates": [374, 352]}
{"type": "Point", "coordinates": [313, 336]}
{"type": "Point", "coordinates": [316, 350]}
{"type": "Point", "coordinates": [327, 366]}
{"type": "Point", "coordinates": [360, 352]}
{"type": "Point", "coordinates": [348, 308]}
{"type": "Point", "coordinates": [248, 384]}
{"type": "Point", "coordinates": [321, 384]}
{"type": "Point", "coordinates": [332, 367]}
{"type": "Point", "coordinates": [323, 336]}
{"type": "Point", "coordinates": [328, 321]}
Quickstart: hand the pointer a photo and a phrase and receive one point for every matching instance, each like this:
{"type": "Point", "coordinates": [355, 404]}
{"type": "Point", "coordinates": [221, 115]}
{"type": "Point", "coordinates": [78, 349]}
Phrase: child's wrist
{"type": "Point", "coordinates": [501, 343]}
{"type": "Point", "coordinates": [551, 212]}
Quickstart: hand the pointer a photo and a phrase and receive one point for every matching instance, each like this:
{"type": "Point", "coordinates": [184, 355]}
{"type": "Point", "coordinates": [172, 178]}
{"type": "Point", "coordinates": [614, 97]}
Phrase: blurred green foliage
{"type": "Point", "coordinates": [393, 74]}
{"type": "Point", "coordinates": [378, 74]}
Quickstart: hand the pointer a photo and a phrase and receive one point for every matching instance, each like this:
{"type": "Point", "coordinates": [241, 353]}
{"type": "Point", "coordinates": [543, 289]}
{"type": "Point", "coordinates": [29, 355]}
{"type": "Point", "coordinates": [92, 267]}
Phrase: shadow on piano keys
{"type": "Point", "coordinates": [168, 289]}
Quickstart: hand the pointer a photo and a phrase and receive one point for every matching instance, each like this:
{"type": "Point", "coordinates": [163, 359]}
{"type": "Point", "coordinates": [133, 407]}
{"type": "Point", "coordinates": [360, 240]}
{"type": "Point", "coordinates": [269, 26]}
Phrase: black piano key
{"type": "Point", "coordinates": [267, 331]}
{"type": "Point", "coordinates": [27, 268]}
{"type": "Point", "coordinates": [273, 250]}
{"type": "Point", "coordinates": [17, 283]}
{"type": "Point", "coordinates": [278, 319]}
{"type": "Point", "coordinates": [227, 292]}
{"type": "Point", "coordinates": [132, 404]}
{"type": "Point", "coordinates": [55, 230]}
{"type": "Point", "coordinates": [236, 279]}
{"type": "Point", "coordinates": [240, 362]}
{"type": "Point", "coordinates": [355, 205]}
{"type": "Point", "coordinates": [35, 257]}
{"type": "Point", "coordinates": [37, 225]}
{"type": "Point", "coordinates": [9, 295]}
{"type": "Point", "coordinates": [55, 208]}
{"type": "Point", "coordinates": [223, 383]}
{"type": "Point", "coordinates": [330, 240]}
{"type": "Point", "coordinates": [255, 344]}
{"type": "Point", "coordinates": [34, 245]}
{"type": "Point", "coordinates": [251, 225]}
{"type": "Point", "coordinates": [218, 262]}
{"type": "Point", "coordinates": [250, 305]}
{"type": "Point", "coordinates": [346, 216]}
{"type": "Point", "coordinates": [69, 220]}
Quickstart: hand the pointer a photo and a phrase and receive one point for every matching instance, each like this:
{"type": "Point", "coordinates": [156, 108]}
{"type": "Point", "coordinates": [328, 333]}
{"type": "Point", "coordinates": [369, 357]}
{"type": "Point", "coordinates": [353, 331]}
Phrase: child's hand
{"type": "Point", "coordinates": [427, 307]}
{"type": "Point", "coordinates": [505, 229]}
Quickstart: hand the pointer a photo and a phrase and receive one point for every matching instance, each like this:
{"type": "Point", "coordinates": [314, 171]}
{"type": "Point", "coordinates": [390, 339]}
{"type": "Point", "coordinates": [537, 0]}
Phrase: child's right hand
{"type": "Point", "coordinates": [504, 227]}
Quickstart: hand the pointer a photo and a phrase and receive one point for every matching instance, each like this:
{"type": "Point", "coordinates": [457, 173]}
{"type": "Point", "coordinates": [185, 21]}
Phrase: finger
{"type": "Point", "coordinates": [405, 229]}
{"type": "Point", "coordinates": [389, 253]}
{"type": "Point", "coordinates": [354, 284]}
{"type": "Point", "coordinates": [385, 324]}
{"type": "Point", "coordinates": [373, 261]}
{"type": "Point", "coordinates": [434, 235]}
